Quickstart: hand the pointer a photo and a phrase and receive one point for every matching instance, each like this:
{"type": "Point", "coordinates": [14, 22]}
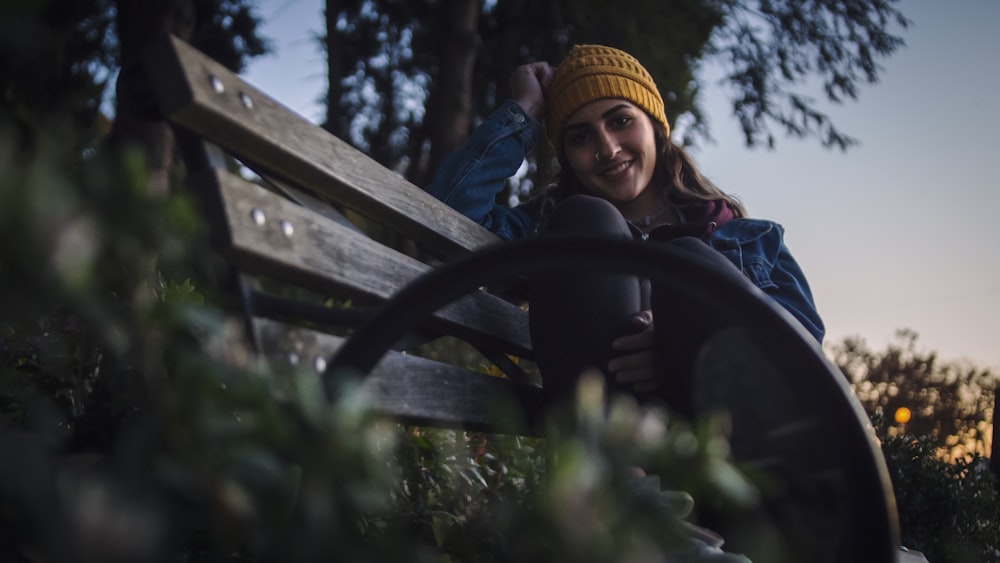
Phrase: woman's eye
{"type": "Point", "coordinates": [621, 121]}
{"type": "Point", "coordinates": [576, 139]}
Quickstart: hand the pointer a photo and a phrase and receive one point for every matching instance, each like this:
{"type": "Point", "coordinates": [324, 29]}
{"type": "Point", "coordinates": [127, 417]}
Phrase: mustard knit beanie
{"type": "Point", "coordinates": [594, 72]}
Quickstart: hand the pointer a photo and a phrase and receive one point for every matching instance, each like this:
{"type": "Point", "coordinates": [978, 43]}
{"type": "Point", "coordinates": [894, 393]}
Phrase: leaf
{"type": "Point", "coordinates": [442, 527]}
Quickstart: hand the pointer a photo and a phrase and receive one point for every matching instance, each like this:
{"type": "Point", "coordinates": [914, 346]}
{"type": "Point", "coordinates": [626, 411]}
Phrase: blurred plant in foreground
{"type": "Point", "coordinates": [136, 426]}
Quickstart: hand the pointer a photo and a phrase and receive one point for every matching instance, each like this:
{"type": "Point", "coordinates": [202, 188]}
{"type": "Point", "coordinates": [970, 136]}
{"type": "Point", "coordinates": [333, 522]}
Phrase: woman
{"type": "Point", "coordinates": [620, 176]}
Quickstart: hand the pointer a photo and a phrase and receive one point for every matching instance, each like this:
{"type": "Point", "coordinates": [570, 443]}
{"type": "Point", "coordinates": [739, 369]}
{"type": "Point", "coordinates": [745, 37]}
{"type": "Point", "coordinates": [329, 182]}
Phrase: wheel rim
{"type": "Point", "coordinates": [773, 329]}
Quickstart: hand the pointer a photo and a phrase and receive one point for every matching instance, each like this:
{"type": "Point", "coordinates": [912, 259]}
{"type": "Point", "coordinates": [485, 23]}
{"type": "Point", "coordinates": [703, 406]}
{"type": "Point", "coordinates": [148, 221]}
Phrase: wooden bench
{"type": "Point", "coordinates": [288, 227]}
{"type": "Point", "coordinates": [285, 228]}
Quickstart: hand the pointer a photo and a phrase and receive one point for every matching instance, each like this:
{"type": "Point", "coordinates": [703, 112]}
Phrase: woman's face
{"type": "Point", "coordinates": [621, 134]}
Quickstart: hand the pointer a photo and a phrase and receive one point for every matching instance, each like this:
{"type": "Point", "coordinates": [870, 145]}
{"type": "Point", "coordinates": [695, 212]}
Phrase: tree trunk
{"type": "Point", "coordinates": [449, 104]}
{"type": "Point", "coordinates": [137, 123]}
{"type": "Point", "coordinates": [335, 69]}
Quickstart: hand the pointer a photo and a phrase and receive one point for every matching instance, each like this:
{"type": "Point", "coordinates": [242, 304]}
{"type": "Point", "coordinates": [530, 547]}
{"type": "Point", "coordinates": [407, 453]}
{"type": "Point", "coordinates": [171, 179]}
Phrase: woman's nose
{"type": "Point", "coordinates": [607, 146]}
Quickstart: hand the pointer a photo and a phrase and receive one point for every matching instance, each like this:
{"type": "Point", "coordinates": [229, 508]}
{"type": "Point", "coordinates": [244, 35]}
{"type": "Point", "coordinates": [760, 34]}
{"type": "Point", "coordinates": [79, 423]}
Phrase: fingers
{"type": "Point", "coordinates": [545, 72]}
{"type": "Point", "coordinates": [635, 341]}
{"type": "Point", "coordinates": [634, 367]}
{"type": "Point", "coordinates": [528, 83]}
{"type": "Point", "coordinates": [642, 319]}
{"type": "Point", "coordinates": [639, 366]}
{"type": "Point", "coordinates": [640, 369]}
{"type": "Point", "coordinates": [540, 73]}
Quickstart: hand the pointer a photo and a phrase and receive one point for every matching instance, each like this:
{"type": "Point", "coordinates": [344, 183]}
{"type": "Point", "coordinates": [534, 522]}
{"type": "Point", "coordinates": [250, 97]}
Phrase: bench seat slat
{"type": "Point", "coordinates": [204, 97]}
{"type": "Point", "coordinates": [412, 389]}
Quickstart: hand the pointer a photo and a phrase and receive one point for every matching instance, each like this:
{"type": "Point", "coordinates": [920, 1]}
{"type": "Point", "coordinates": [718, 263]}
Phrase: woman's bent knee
{"type": "Point", "coordinates": [585, 214]}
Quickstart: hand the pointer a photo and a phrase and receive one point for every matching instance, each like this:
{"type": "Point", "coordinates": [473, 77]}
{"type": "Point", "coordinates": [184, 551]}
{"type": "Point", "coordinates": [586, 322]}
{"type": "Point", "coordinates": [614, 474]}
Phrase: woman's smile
{"type": "Point", "coordinates": [617, 169]}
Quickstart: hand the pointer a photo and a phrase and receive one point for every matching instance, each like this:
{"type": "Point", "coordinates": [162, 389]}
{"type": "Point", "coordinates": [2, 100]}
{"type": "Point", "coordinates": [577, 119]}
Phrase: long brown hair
{"type": "Point", "coordinates": [675, 172]}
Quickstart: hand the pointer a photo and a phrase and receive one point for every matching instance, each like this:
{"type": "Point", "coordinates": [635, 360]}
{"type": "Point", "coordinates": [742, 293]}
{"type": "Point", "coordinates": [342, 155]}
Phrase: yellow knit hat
{"type": "Point", "coordinates": [594, 72]}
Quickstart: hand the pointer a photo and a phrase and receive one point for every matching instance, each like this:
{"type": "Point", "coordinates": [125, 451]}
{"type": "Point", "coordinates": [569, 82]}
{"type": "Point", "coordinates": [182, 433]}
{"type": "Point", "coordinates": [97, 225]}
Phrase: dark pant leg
{"type": "Point", "coordinates": [683, 324]}
{"type": "Point", "coordinates": [574, 316]}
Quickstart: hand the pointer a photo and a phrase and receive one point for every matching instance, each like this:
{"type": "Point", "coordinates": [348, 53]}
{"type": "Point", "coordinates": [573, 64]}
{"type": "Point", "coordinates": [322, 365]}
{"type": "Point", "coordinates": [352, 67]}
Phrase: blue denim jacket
{"type": "Point", "coordinates": [470, 178]}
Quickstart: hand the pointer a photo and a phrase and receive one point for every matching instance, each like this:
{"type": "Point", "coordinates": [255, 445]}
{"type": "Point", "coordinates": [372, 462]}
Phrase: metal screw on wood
{"type": "Point", "coordinates": [217, 85]}
{"type": "Point", "coordinates": [258, 217]}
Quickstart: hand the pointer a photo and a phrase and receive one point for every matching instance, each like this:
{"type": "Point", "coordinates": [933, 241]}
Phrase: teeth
{"type": "Point", "coordinates": [620, 168]}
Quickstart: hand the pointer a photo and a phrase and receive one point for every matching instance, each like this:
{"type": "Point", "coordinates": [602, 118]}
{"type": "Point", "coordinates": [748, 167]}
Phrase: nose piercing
{"type": "Point", "coordinates": [597, 156]}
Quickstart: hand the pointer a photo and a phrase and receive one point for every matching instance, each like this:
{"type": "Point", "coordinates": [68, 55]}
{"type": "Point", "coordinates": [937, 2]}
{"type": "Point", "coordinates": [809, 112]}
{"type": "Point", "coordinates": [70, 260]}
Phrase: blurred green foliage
{"type": "Point", "coordinates": [136, 426]}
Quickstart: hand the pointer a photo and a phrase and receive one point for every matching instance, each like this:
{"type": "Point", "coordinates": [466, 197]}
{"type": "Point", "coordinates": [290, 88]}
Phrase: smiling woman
{"type": "Point", "coordinates": [620, 177]}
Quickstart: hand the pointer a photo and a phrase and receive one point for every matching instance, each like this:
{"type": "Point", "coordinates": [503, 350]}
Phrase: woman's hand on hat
{"type": "Point", "coordinates": [638, 364]}
{"type": "Point", "coordinates": [528, 84]}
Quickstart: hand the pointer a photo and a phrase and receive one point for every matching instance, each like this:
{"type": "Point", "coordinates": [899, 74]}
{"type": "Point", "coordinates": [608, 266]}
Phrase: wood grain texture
{"type": "Point", "coordinates": [202, 96]}
{"type": "Point", "coordinates": [273, 236]}
{"type": "Point", "coordinates": [295, 240]}
{"type": "Point", "coordinates": [409, 388]}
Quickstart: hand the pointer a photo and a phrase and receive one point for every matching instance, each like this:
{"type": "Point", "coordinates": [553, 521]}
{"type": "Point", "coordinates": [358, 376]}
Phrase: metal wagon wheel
{"type": "Point", "coordinates": [795, 419]}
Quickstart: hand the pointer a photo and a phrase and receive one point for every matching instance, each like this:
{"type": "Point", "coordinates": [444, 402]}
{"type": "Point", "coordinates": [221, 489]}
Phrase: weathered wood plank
{"type": "Point", "coordinates": [201, 95]}
{"type": "Point", "coordinates": [273, 236]}
{"type": "Point", "coordinates": [409, 388]}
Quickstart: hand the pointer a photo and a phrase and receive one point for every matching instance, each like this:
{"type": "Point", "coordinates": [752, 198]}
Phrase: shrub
{"type": "Point", "coordinates": [948, 510]}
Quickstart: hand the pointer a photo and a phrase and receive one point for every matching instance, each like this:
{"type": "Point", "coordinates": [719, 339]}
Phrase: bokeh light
{"type": "Point", "coordinates": [902, 415]}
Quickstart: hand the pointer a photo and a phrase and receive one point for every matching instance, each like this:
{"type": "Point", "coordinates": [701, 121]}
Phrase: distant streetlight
{"type": "Point", "coordinates": [902, 415]}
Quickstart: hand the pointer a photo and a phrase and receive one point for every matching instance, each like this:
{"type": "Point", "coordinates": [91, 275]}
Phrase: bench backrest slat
{"type": "Point", "coordinates": [204, 97]}
{"type": "Point", "coordinates": [276, 237]}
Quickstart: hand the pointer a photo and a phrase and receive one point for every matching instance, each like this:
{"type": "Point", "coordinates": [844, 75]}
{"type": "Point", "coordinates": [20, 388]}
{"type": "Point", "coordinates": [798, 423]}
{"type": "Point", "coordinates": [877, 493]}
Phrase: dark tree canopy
{"type": "Point", "coordinates": [55, 57]}
{"type": "Point", "coordinates": [399, 83]}
{"type": "Point", "coordinates": [59, 57]}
